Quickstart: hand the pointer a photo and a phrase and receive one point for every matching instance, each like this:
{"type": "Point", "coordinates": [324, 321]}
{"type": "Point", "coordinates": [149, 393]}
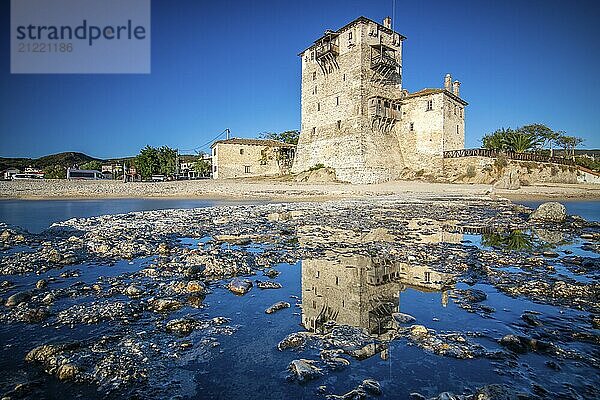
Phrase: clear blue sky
{"type": "Point", "coordinates": [228, 64]}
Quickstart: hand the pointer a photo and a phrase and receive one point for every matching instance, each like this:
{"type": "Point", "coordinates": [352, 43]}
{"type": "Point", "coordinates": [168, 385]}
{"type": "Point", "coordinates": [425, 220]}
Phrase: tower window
{"type": "Point", "coordinates": [429, 105]}
{"type": "Point", "coordinates": [412, 126]}
{"type": "Point", "coordinates": [314, 76]}
{"type": "Point", "coordinates": [427, 276]}
{"type": "Point", "coordinates": [315, 91]}
{"type": "Point", "coordinates": [337, 101]}
{"type": "Point", "coordinates": [247, 169]}
{"type": "Point", "coordinates": [349, 35]}
{"type": "Point", "coordinates": [314, 130]}
{"type": "Point", "coordinates": [318, 106]}
{"type": "Point", "coordinates": [344, 77]}
{"type": "Point", "coordinates": [461, 112]}
{"type": "Point", "coordinates": [241, 151]}
{"type": "Point", "coordinates": [456, 128]}
{"type": "Point", "coordinates": [386, 104]}
{"type": "Point", "coordinates": [339, 124]}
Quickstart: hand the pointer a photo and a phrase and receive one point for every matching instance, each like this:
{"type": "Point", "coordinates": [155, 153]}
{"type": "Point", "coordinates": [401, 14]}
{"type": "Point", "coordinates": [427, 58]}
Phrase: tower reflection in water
{"type": "Point", "coordinates": [352, 286]}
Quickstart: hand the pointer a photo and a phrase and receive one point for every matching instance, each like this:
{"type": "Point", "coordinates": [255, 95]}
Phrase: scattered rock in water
{"type": "Point", "coordinates": [530, 319]}
{"type": "Point", "coordinates": [268, 285]}
{"type": "Point", "coordinates": [296, 341]}
{"type": "Point", "coordinates": [66, 372]}
{"type": "Point", "coordinates": [371, 386]}
{"type": "Point", "coordinates": [164, 305]}
{"type": "Point", "coordinates": [473, 295]}
{"type": "Point", "coordinates": [304, 370]}
{"type": "Point", "coordinates": [133, 291]}
{"type": "Point", "coordinates": [334, 360]}
{"type": "Point", "coordinates": [181, 326]}
{"type": "Point", "coordinates": [549, 212]}
{"type": "Point", "coordinates": [17, 299]}
{"type": "Point", "coordinates": [271, 273]}
{"type": "Point", "coordinates": [280, 305]}
{"type": "Point", "coordinates": [196, 287]}
{"type": "Point", "coordinates": [522, 344]}
{"type": "Point", "coordinates": [401, 318]}
{"type": "Point", "coordinates": [451, 344]}
{"type": "Point", "coordinates": [163, 249]}
{"type": "Point", "coordinates": [41, 284]}
{"type": "Point", "coordinates": [239, 286]}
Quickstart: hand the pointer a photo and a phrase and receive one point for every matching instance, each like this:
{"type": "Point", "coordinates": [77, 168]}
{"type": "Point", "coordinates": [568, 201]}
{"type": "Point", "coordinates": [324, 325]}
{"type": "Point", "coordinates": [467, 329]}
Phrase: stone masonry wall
{"type": "Point", "coordinates": [231, 163]}
{"type": "Point", "coordinates": [491, 170]}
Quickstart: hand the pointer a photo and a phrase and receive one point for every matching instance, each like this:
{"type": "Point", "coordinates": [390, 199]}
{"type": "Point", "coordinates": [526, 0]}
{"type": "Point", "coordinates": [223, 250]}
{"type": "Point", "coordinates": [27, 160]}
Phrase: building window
{"type": "Point", "coordinates": [429, 105]}
{"type": "Point", "coordinates": [312, 55]}
{"type": "Point", "coordinates": [456, 128]}
{"type": "Point", "coordinates": [247, 169]}
{"type": "Point", "coordinates": [337, 101]}
{"type": "Point", "coordinates": [215, 168]}
{"type": "Point", "coordinates": [412, 126]}
{"type": "Point", "coordinates": [386, 104]}
{"type": "Point", "coordinates": [215, 151]}
{"type": "Point", "coordinates": [427, 277]}
{"type": "Point", "coordinates": [339, 124]}
{"type": "Point", "coordinates": [350, 35]}
{"type": "Point", "coordinates": [337, 281]}
{"type": "Point", "coordinates": [317, 274]}
{"type": "Point", "coordinates": [455, 110]}
{"type": "Point", "coordinates": [344, 78]}
{"type": "Point", "coordinates": [318, 106]}
{"type": "Point", "coordinates": [315, 91]}
{"type": "Point", "coordinates": [314, 76]}
{"type": "Point", "coordinates": [461, 112]}
{"type": "Point", "coordinates": [241, 151]}
{"type": "Point", "coordinates": [314, 130]}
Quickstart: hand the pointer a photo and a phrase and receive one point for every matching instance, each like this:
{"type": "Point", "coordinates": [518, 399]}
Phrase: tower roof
{"type": "Point", "coordinates": [428, 91]}
{"type": "Point", "coordinates": [359, 20]}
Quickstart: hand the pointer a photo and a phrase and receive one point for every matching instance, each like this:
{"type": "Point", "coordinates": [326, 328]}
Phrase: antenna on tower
{"type": "Point", "coordinates": [393, 13]}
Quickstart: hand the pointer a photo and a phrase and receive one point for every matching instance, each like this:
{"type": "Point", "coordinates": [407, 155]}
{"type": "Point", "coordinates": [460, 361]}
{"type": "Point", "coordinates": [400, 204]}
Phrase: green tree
{"type": "Point", "coordinates": [147, 162]}
{"type": "Point", "coordinates": [55, 172]}
{"type": "Point", "coordinates": [545, 136]}
{"type": "Point", "coordinates": [167, 158]}
{"type": "Point", "coordinates": [520, 141]}
{"type": "Point", "coordinates": [495, 140]}
{"type": "Point", "coordinates": [202, 167]}
{"type": "Point", "coordinates": [569, 144]}
{"type": "Point", "coordinates": [94, 164]}
{"type": "Point", "coordinates": [290, 137]}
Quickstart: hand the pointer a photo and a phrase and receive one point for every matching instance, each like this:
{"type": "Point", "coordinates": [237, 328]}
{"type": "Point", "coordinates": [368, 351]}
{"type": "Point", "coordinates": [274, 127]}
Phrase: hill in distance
{"type": "Point", "coordinates": [66, 159]}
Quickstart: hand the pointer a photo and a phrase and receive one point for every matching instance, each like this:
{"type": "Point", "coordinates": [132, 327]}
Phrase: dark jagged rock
{"type": "Point", "coordinates": [239, 286]}
{"type": "Point", "coordinates": [280, 305]}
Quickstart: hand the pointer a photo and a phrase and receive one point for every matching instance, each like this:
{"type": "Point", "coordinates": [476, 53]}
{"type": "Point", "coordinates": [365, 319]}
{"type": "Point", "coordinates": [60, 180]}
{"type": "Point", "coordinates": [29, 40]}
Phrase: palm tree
{"type": "Point", "coordinates": [520, 141]}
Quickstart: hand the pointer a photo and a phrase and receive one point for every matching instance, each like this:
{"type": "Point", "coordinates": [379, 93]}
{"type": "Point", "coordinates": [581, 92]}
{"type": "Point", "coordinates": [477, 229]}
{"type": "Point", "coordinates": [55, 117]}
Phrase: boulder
{"type": "Point", "coordinates": [280, 305]}
{"type": "Point", "coordinates": [401, 318]}
{"type": "Point", "coordinates": [239, 286]}
{"type": "Point", "coordinates": [180, 326]}
{"type": "Point", "coordinates": [549, 212]}
{"type": "Point", "coordinates": [17, 299]}
{"type": "Point", "coordinates": [304, 370]}
{"type": "Point", "coordinates": [510, 180]}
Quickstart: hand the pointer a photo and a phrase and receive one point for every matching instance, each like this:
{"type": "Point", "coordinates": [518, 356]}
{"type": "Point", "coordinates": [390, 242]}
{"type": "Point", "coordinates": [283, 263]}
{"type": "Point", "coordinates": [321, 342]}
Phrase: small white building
{"type": "Point", "coordinates": [10, 172]}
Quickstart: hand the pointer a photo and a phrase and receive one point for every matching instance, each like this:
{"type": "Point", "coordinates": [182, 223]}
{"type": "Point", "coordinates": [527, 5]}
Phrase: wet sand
{"type": "Point", "coordinates": [267, 189]}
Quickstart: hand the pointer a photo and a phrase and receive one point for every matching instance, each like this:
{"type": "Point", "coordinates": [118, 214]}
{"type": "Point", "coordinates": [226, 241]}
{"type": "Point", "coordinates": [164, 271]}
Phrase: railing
{"type": "Point", "coordinates": [325, 49]}
{"type": "Point", "coordinates": [379, 110]}
{"type": "Point", "coordinates": [383, 60]}
{"type": "Point", "coordinates": [509, 155]}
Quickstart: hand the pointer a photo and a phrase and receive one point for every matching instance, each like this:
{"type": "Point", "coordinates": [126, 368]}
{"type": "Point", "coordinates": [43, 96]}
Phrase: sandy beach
{"type": "Point", "coordinates": [271, 189]}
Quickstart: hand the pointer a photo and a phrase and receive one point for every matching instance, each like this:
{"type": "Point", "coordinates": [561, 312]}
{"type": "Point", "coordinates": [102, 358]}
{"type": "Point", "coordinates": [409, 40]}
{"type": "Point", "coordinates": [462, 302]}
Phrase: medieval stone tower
{"type": "Point", "coordinates": [357, 119]}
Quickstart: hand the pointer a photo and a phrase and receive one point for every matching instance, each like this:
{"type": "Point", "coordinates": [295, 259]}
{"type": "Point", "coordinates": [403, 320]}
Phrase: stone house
{"type": "Point", "coordinates": [238, 158]}
{"type": "Point", "coordinates": [357, 118]}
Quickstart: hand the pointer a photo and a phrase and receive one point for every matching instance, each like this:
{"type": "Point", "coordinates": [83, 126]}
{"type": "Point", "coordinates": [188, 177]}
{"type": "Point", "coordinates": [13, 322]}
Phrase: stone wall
{"type": "Point", "coordinates": [242, 160]}
{"type": "Point", "coordinates": [493, 170]}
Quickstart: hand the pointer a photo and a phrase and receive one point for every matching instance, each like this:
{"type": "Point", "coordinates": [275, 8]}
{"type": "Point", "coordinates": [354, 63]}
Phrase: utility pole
{"type": "Point", "coordinates": [176, 164]}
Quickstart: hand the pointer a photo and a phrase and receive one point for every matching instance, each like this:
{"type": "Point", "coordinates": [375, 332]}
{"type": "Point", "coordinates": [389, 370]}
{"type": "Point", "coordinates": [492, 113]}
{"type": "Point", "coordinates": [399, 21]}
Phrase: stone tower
{"type": "Point", "coordinates": [352, 107]}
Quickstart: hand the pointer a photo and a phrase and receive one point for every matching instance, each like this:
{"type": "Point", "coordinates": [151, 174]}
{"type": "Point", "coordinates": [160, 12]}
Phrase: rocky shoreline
{"type": "Point", "coordinates": [132, 293]}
